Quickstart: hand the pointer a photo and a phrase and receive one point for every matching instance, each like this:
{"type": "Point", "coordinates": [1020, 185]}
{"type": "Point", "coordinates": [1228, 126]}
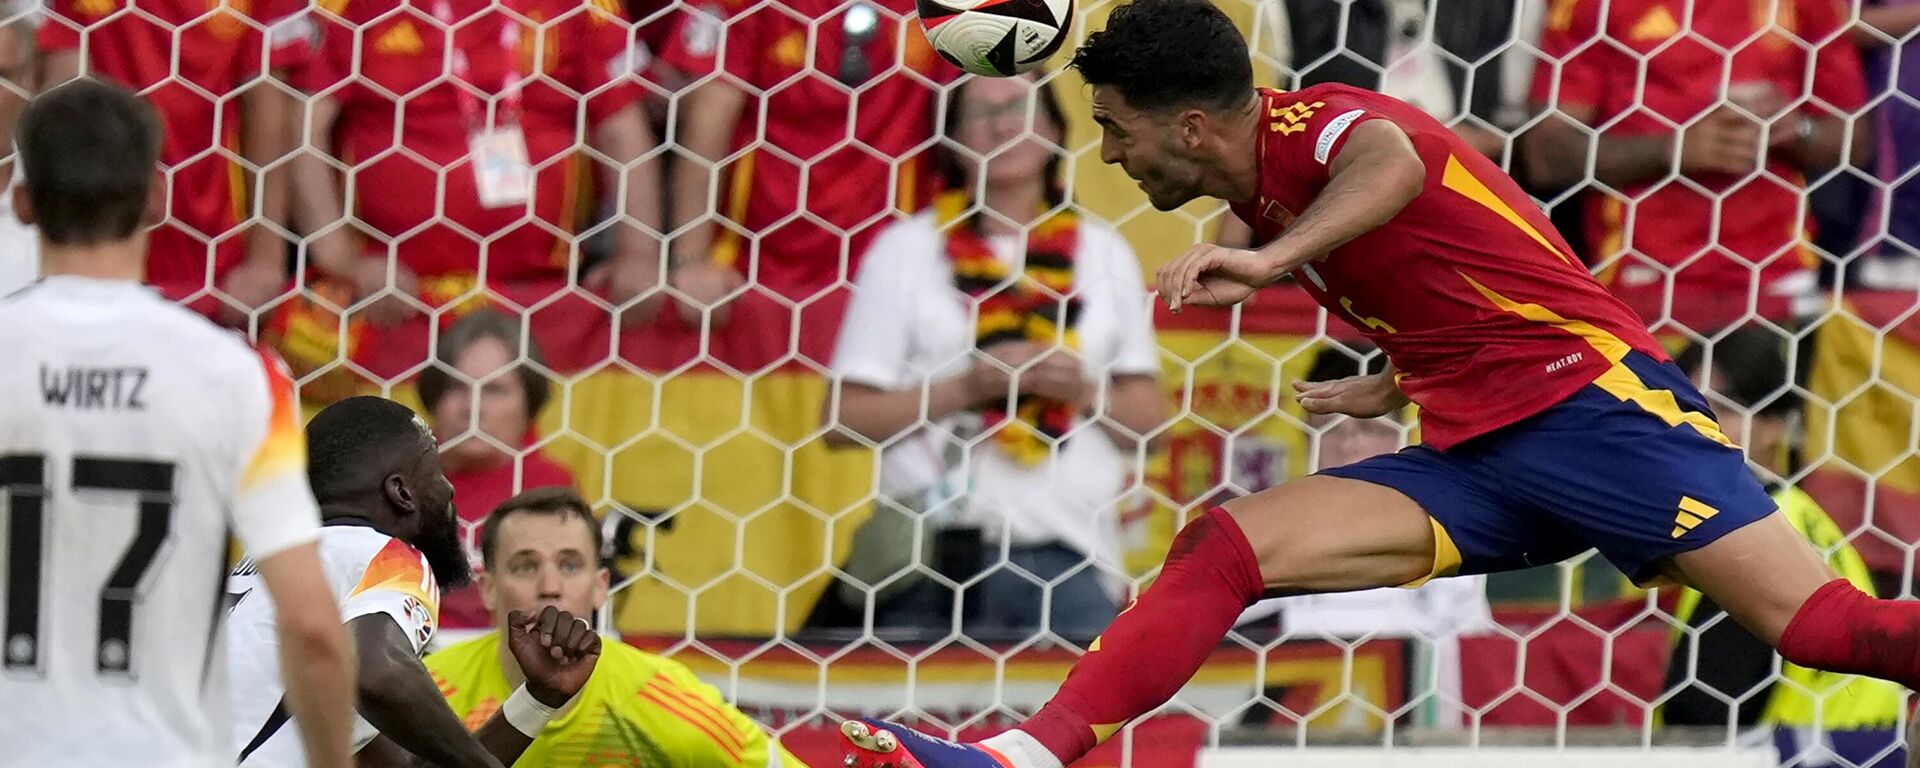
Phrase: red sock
{"type": "Point", "coordinates": [1841, 629]}
{"type": "Point", "coordinates": [1155, 646]}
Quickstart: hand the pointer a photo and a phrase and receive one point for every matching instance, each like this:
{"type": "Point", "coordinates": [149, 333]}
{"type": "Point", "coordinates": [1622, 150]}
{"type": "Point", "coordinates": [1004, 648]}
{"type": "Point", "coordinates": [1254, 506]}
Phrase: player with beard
{"type": "Point", "coordinates": [389, 541]}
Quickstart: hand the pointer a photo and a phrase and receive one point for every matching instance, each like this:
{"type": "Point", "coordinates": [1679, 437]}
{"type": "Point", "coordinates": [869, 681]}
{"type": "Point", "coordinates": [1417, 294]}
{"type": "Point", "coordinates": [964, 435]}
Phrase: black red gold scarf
{"type": "Point", "coordinates": [1036, 307]}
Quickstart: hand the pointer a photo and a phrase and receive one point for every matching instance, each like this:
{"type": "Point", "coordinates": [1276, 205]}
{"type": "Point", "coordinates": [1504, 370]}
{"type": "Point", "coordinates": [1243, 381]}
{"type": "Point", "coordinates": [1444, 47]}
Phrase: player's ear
{"type": "Point", "coordinates": [1191, 127]}
{"type": "Point", "coordinates": [156, 209]}
{"type": "Point", "coordinates": [484, 581]}
{"type": "Point", "coordinates": [22, 205]}
{"type": "Point", "coordinates": [601, 587]}
{"type": "Point", "coordinates": [399, 495]}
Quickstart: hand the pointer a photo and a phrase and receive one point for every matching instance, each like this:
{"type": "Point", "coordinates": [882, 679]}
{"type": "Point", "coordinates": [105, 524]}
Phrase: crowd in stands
{"type": "Point", "coordinates": [419, 195]}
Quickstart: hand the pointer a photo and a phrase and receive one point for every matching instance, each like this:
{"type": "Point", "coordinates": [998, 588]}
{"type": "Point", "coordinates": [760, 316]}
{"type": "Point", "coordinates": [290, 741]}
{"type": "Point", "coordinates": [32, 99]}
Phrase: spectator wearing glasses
{"type": "Point", "coordinates": [482, 398]}
{"type": "Point", "coordinates": [796, 202]}
{"type": "Point", "coordinates": [1005, 271]}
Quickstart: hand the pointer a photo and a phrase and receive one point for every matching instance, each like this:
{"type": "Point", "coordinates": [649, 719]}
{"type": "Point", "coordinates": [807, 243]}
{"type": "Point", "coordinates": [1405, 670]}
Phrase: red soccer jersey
{"type": "Point", "coordinates": [220, 47]}
{"type": "Point", "coordinates": [1736, 227]}
{"type": "Point", "coordinates": [1475, 298]}
{"type": "Point", "coordinates": [813, 160]}
{"type": "Point", "coordinates": [384, 48]}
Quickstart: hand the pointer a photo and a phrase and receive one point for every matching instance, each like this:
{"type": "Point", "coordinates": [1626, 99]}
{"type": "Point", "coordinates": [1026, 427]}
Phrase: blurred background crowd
{"type": "Point", "coordinates": [776, 268]}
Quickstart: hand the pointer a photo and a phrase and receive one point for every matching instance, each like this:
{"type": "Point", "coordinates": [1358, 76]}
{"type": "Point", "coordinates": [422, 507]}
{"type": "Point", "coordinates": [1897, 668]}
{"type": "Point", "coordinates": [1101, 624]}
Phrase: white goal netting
{"type": "Point", "coordinates": [653, 314]}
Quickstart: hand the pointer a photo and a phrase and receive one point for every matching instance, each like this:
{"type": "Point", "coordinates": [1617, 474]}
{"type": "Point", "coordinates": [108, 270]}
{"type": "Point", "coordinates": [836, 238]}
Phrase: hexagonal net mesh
{"type": "Point", "coordinates": [732, 272]}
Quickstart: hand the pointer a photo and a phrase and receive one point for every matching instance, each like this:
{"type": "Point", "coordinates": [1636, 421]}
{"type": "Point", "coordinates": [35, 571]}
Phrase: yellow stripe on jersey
{"type": "Point", "coordinates": [1608, 344]}
{"type": "Point", "coordinates": [1623, 383]}
{"type": "Point", "coordinates": [1461, 180]}
{"type": "Point", "coordinates": [1618, 380]}
{"type": "Point", "coordinates": [696, 717]}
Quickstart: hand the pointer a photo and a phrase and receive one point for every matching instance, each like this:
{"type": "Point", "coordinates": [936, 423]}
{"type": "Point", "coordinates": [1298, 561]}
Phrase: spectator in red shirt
{"type": "Point", "coordinates": [404, 117]}
{"type": "Point", "coordinates": [1680, 166]}
{"type": "Point", "coordinates": [806, 189]}
{"type": "Point", "coordinates": [216, 105]}
{"type": "Point", "coordinates": [484, 441]}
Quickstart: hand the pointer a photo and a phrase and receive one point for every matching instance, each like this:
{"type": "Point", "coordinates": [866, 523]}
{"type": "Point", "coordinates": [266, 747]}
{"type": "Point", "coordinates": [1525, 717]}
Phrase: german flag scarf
{"type": "Point", "coordinates": [1035, 307]}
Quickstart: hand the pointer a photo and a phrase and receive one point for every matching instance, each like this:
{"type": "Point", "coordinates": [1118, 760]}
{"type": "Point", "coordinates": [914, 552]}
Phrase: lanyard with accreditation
{"type": "Point", "coordinates": [496, 145]}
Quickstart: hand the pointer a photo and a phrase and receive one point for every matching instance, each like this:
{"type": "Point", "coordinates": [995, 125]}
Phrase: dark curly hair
{"type": "Point", "coordinates": [1161, 54]}
{"type": "Point", "coordinates": [354, 444]}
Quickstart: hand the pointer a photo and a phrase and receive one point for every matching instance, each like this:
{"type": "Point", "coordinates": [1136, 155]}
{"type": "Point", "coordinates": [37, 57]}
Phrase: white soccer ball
{"type": "Point", "coordinates": [996, 37]}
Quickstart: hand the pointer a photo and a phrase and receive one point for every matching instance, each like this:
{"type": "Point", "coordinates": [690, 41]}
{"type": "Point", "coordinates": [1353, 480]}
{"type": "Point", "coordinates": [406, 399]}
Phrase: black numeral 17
{"type": "Point", "coordinates": [23, 481]}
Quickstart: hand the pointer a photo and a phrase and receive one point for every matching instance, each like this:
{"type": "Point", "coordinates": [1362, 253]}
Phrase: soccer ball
{"type": "Point", "coordinates": [996, 37]}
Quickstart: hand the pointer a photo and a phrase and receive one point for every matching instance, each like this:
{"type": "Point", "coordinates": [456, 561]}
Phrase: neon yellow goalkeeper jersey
{"type": "Point", "coordinates": [637, 710]}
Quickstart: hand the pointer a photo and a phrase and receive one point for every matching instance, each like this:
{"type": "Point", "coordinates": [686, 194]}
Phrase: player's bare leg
{"type": "Point", "coordinates": [1761, 574]}
{"type": "Point", "coordinates": [1772, 581]}
{"type": "Point", "coordinates": [1775, 584]}
{"type": "Point", "coordinates": [1316, 534]}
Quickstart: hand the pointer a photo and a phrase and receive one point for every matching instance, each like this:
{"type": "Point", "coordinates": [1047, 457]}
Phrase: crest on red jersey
{"type": "Point", "coordinates": [1273, 211]}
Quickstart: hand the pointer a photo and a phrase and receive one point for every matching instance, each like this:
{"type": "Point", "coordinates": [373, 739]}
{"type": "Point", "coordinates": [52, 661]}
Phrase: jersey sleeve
{"type": "Point", "coordinates": [1306, 130]}
{"type": "Point", "coordinates": [743, 741]}
{"type": "Point", "coordinates": [397, 582]}
{"type": "Point", "coordinates": [272, 507]}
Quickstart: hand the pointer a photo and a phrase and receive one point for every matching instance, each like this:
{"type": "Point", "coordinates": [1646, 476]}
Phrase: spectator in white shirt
{"type": "Point", "coordinates": [1000, 350]}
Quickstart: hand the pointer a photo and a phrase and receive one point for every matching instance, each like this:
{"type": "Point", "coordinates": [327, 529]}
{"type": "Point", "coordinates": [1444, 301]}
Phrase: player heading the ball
{"type": "Point", "coordinates": [134, 435]}
{"type": "Point", "coordinates": [1553, 423]}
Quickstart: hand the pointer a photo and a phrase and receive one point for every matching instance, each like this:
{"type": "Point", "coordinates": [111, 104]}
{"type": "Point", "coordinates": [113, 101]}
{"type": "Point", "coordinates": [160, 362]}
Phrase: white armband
{"type": "Point", "coordinates": [525, 713]}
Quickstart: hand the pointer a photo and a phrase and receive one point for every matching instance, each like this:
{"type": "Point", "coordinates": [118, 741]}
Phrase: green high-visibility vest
{"type": "Point", "coordinates": [1803, 697]}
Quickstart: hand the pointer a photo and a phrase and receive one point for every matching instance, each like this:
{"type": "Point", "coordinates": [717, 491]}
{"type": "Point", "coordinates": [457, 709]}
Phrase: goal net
{"type": "Point", "coordinates": [690, 390]}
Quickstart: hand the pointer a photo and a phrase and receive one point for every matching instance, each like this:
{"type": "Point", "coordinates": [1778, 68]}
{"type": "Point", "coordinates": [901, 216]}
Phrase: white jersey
{"type": "Point", "coordinates": [134, 437]}
{"type": "Point", "coordinates": [370, 573]}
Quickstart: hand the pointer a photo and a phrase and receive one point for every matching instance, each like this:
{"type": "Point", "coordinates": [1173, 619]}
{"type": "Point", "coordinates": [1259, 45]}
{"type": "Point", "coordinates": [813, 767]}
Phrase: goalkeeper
{"type": "Point", "coordinates": [542, 548]}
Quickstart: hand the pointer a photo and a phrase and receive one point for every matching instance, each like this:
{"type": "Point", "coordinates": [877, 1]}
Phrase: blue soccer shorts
{"type": "Point", "coordinates": [1632, 465]}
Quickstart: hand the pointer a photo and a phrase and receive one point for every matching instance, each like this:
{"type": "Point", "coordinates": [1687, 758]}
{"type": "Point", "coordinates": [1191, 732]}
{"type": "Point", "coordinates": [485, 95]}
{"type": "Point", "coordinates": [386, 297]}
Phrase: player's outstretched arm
{"type": "Point", "coordinates": [316, 660]}
{"type": "Point", "coordinates": [1375, 175]}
